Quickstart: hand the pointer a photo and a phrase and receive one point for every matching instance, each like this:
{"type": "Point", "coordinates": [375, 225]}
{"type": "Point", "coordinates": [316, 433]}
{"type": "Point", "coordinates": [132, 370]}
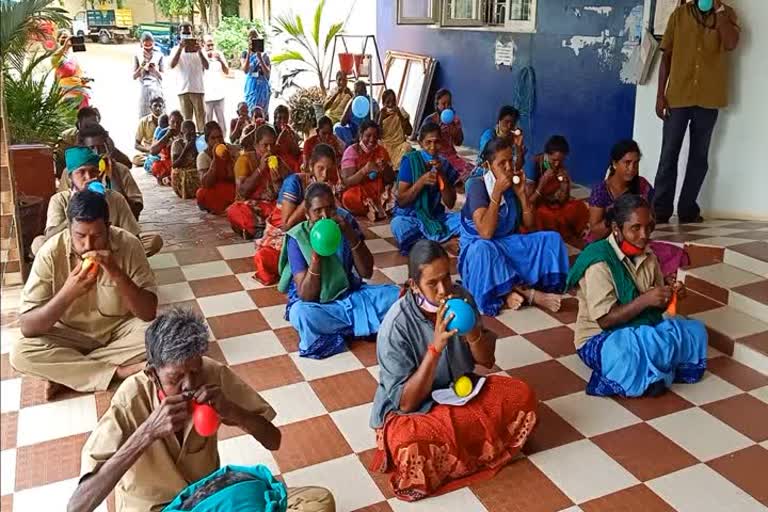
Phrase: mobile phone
{"type": "Point", "coordinates": [257, 45]}
{"type": "Point", "coordinates": [78, 43]}
{"type": "Point", "coordinates": [546, 164]}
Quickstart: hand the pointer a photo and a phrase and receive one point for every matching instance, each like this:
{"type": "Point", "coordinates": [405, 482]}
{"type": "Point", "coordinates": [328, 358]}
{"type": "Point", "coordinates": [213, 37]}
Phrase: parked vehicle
{"type": "Point", "coordinates": [103, 26]}
{"type": "Point", "coordinates": [165, 34]}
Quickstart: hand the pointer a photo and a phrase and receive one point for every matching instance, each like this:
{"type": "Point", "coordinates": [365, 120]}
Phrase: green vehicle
{"type": "Point", "coordinates": [164, 32]}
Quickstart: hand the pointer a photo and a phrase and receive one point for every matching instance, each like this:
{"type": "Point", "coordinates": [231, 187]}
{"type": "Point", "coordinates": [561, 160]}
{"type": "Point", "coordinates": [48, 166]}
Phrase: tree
{"type": "Point", "coordinates": [312, 51]}
{"type": "Point", "coordinates": [208, 10]}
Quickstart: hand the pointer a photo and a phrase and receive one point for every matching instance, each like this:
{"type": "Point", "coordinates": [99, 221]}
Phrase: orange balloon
{"type": "Point", "coordinates": [221, 150]}
{"type": "Point", "coordinates": [672, 308]}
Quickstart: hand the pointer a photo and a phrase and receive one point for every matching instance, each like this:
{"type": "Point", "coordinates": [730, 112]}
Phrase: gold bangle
{"type": "Point", "coordinates": [478, 340]}
{"type": "Point", "coordinates": [312, 273]}
{"type": "Point", "coordinates": [494, 201]}
{"type": "Point", "coordinates": [359, 242]}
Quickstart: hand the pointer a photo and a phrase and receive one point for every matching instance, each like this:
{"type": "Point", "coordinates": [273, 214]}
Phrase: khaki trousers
{"type": "Point", "coordinates": [77, 361]}
{"type": "Point", "coordinates": [192, 104]}
{"type": "Point", "coordinates": [151, 242]}
{"type": "Point", "coordinates": [311, 499]}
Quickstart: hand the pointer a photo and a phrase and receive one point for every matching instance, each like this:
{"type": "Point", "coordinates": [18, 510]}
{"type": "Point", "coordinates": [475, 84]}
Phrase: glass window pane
{"type": "Point", "coordinates": [416, 8]}
{"type": "Point", "coordinates": [462, 9]}
{"type": "Point", "coordinates": [520, 10]}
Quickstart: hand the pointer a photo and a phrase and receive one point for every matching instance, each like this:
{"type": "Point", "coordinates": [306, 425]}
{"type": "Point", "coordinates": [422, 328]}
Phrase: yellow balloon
{"type": "Point", "coordinates": [221, 150]}
{"type": "Point", "coordinates": [272, 162]}
{"type": "Point", "coordinates": [463, 386]}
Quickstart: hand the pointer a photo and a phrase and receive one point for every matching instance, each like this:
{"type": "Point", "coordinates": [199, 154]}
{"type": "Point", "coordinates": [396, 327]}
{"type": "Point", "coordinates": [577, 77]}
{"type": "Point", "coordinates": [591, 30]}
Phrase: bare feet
{"type": "Point", "coordinates": [123, 372]}
{"type": "Point", "coordinates": [550, 301]}
{"type": "Point", "coordinates": [514, 300]}
{"type": "Point", "coordinates": [52, 389]}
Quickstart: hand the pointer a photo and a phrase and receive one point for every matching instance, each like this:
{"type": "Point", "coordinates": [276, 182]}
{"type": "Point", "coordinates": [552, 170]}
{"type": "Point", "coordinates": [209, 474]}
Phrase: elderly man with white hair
{"type": "Point", "coordinates": [146, 449]}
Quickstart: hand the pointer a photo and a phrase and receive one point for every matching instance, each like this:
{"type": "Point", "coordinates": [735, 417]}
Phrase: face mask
{"type": "Point", "coordinates": [426, 305]}
{"type": "Point", "coordinates": [705, 5]}
{"type": "Point", "coordinates": [365, 147]}
{"type": "Point", "coordinates": [629, 249]}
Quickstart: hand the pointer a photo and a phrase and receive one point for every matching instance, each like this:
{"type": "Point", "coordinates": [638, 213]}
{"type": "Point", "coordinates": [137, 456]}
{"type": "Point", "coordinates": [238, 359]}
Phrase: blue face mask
{"type": "Point", "coordinates": [705, 5]}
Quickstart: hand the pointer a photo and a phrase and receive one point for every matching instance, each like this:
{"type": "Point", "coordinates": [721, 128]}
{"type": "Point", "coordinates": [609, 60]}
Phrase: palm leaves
{"type": "Point", "coordinates": [313, 49]}
{"type": "Point", "coordinates": [20, 20]}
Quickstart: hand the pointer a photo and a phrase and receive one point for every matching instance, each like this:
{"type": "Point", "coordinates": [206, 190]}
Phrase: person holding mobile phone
{"type": "Point", "coordinates": [257, 67]}
{"type": "Point", "coordinates": [68, 72]}
{"type": "Point", "coordinates": [148, 67]}
{"type": "Point", "coordinates": [191, 62]}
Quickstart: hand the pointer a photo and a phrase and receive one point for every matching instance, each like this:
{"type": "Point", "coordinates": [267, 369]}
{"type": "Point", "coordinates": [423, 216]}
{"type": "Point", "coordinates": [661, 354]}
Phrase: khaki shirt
{"type": "Point", "coordinates": [166, 467]}
{"type": "Point", "coordinates": [129, 189]}
{"type": "Point", "coordinates": [597, 293]}
{"type": "Point", "coordinates": [699, 73]}
{"type": "Point", "coordinates": [145, 132]}
{"type": "Point", "coordinates": [97, 313]}
{"type": "Point", "coordinates": [120, 215]}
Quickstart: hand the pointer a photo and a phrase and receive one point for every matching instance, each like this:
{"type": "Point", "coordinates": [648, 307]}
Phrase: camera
{"type": "Point", "coordinates": [78, 43]}
{"type": "Point", "coordinates": [257, 45]}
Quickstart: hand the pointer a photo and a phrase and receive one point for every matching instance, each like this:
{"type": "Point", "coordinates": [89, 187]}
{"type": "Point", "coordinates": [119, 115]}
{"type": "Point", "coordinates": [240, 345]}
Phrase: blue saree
{"type": "Point", "coordinates": [257, 88]}
{"type": "Point", "coordinates": [491, 269]}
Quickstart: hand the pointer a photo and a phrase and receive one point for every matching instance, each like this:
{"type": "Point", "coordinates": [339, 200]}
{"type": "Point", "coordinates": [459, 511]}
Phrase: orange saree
{"type": "Point", "coordinates": [356, 198]}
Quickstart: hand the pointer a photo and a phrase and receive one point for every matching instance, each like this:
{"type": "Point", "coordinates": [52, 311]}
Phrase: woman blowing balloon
{"type": "Point", "coordinates": [327, 298]}
{"type": "Point", "coordinates": [432, 448]}
{"type": "Point", "coordinates": [620, 332]}
{"type": "Point", "coordinates": [451, 132]}
{"type": "Point", "coordinates": [499, 265]}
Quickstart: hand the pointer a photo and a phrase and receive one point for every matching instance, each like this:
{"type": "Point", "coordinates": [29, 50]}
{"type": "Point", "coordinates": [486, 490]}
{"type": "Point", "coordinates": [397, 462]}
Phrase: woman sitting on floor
{"type": "Point", "coordinates": [498, 265]}
{"type": "Point", "coordinates": [506, 128]}
{"type": "Point", "coordinates": [395, 128]}
{"type": "Point", "coordinates": [624, 178]}
{"type": "Point", "coordinates": [336, 103]}
{"type": "Point", "coordinates": [327, 298]}
{"type": "Point", "coordinates": [239, 123]}
{"type": "Point", "coordinates": [426, 185]}
{"type": "Point", "coordinates": [366, 171]}
{"type": "Point", "coordinates": [259, 174]}
{"type": "Point", "coordinates": [324, 135]}
{"type": "Point", "coordinates": [348, 128]}
{"type": "Point", "coordinates": [217, 177]}
{"type": "Point", "coordinates": [620, 332]}
{"type": "Point", "coordinates": [435, 448]}
{"type": "Point", "coordinates": [287, 143]}
{"type": "Point", "coordinates": [555, 209]}
{"type": "Point", "coordinates": [161, 148]}
{"type": "Point", "coordinates": [183, 158]}
{"type": "Point", "coordinates": [451, 134]}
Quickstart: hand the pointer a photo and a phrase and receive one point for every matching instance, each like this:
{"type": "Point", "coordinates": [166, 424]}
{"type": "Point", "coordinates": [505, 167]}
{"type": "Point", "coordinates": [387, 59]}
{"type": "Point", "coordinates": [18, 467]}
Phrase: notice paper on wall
{"type": "Point", "coordinates": [638, 67]}
{"type": "Point", "coordinates": [505, 53]}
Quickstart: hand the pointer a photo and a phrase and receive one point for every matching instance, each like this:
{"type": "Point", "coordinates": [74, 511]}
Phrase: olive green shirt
{"type": "Point", "coordinates": [120, 215]}
{"type": "Point", "coordinates": [699, 72]}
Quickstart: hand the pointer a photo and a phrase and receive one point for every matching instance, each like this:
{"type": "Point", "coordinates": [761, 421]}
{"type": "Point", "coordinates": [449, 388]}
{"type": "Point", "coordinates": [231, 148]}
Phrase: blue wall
{"type": "Point", "coordinates": [580, 96]}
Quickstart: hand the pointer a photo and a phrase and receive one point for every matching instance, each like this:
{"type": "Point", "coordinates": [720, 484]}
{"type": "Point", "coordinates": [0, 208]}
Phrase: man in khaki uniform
{"type": "Point", "coordinates": [145, 131]}
{"type": "Point", "coordinates": [116, 175]}
{"type": "Point", "coordinates": [86, 302]}
{"type": "Point", "coordinates": [83, 170]}
{"type": "Point", "coordinates": [146, 448]}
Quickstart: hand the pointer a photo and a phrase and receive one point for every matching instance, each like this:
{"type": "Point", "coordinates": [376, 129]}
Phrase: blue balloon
{"type": "Point", "coordinates": [464, 316]}
{"type": "Point", "coordinates": [98, 187]}
{"type": "Point", "coordinates": [447, 115]}
{"type": "Point", "coordinates": [705, 5]}
{"type": "Point", "coordinates": [200, 144]}
{"type": "Point", "coordinates": [372, 175]}
{"type": "Point", "coordinates": [361, 107]}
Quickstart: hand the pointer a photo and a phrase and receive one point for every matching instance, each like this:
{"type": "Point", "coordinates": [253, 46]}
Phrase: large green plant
{"type": "Point", "coordinates": [232, 35]}
{"type": "Point", "coordinates": [311, 50]}
{"type": "Point", "coordinates": [19, 21]}
{"type": "Point", "coordinates": [36, 109]}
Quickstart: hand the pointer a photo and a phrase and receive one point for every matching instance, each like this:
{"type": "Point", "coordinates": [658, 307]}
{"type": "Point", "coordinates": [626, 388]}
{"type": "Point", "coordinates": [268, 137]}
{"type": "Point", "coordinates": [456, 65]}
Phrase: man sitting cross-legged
{"type": "Point", "coordinates": [86, 302]}
{"type": "Point", "coordinates": [146, 447]}
{"type": "Point", "coordinates": [83, 169]}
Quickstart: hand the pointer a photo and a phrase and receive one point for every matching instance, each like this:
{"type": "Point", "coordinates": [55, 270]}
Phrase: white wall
{"type": "Point", "coordinates": [737, 183]}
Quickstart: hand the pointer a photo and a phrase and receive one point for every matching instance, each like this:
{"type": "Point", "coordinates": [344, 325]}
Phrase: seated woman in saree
{"type": "Point", "coordinates": [498, 265]}
{"type": "Point", "coordinates": [287, 143]}
{"type": "Point", "coordinates": [336, 103]}
{"type": "Point", "coordinates": [327, 298]}
{"type": "Point", "coordinates": [624, 178]}
{"type": "Point", "coordinates": [395, 128]}
{"type": "Point", "coordinates": [216, 170]}
{"type": "Point", "coordinates": [451, 134]}
{"type": "Point", "coordinates": [620, 331]}
{"type": "Point", "coordinates": [161, 166]}
{"type": "Point", "coordinates": [348, 128]}
{"type": "Point", "coordinates": [506, 128]}
{"type": "Point", "coordinates": [254, 213]}
{"type": "Point", "coordinates": [425, 187]}
{"type": "Point", "coordinates": [324, 135]}
{"type": "Point", "coordinates": [367, 172]}
{"type": "Point", "coordinates": [183, 158]}
{"type": "Point", "coordinates": [435, 448]}
{"type": "Point", "coordinates": [556, 210]}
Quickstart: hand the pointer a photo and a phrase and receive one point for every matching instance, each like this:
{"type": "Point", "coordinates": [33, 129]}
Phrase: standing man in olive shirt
{"type": "Point", "coordinates": [693, 83]}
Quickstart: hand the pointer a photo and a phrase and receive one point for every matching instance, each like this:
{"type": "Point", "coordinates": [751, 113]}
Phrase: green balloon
{"type": "Point", "coordinates": [325, 237]}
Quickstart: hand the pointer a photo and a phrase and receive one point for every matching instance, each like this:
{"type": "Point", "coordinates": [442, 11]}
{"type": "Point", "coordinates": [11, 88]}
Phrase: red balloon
{"type": "Point", "coordinates": [205, 419]}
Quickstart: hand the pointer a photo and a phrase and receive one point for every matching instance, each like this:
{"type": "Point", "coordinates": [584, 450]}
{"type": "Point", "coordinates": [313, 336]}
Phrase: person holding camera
{"type": "Point", "coordinates": [257, 68]}
{"type": "Point", "coordinates": [191, 62]}
{"type": "Point", "coordinates": [69, 75]}
{"type": "Point", "coordinates": [148, 68]}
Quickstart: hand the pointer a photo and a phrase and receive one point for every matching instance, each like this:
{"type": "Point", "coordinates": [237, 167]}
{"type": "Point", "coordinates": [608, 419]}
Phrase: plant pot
{"type": "Point", "coordinates": [345, 63]}
{"type": "Point", "coordinates": [33, 171]}
{"type": "Point", "coordinates": [31, 221]}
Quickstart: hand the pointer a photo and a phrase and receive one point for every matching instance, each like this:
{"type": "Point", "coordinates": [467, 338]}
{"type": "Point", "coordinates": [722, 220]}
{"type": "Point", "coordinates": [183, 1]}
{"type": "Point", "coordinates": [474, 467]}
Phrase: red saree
{"type": "Point", "coordinates": [354, 199]}
{"type": "Point", "coordinates": [217, 198]}
{"type": "Point", "coordinates": [283, 150]}
{"type": "Point", "coordinates": [570, 219]}
{"type": "Point", "coordinates": [451, 447]}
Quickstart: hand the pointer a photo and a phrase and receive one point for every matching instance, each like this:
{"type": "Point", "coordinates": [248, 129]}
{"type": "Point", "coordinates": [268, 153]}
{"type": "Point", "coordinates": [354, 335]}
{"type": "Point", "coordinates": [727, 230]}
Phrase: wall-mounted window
{"type": "Point", "coordinates": [496, 15]}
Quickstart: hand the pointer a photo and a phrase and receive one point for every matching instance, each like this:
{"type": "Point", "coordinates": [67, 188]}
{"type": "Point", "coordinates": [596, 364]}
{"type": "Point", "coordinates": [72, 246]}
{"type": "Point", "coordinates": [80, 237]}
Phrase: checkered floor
{"type": "Point", "coordinates": [701, 447]}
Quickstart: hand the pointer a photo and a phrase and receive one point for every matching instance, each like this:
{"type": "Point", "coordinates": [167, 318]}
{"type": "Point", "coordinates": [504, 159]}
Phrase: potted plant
{"type": "Point", "coordinates": [303, 109]}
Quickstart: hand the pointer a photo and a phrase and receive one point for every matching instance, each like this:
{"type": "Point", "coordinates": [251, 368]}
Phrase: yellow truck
{"type": "Point", "coordinates": [103, 25]}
